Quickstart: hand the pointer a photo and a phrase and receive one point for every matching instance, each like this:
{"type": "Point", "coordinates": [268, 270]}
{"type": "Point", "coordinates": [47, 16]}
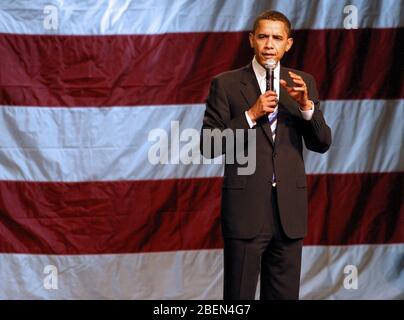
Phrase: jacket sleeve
{"type": "Point", "coordinates": [218, 124]}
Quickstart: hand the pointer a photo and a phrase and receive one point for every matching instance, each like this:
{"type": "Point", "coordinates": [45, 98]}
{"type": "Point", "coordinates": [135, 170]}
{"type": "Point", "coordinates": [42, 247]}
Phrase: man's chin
{"type": "Point", "coordinates": [266, 58]}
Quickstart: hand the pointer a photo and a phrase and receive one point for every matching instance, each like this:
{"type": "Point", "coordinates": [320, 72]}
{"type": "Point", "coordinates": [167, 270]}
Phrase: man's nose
{"type": "Point", "coordinates": [269, 43]}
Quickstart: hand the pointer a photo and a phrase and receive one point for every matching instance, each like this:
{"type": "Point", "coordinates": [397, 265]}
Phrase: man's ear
{"type": "Point", "coordinates": [251, 38]}
{"type": "Point", "coordinates": [289, 44]}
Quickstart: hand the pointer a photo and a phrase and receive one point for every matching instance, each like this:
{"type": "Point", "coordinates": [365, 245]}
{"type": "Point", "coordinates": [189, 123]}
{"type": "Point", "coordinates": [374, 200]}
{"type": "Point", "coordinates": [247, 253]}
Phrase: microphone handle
{"type": "Point", "coordinates": [270, 80]}
{"type": "Point", "coordinates": [271, 77]}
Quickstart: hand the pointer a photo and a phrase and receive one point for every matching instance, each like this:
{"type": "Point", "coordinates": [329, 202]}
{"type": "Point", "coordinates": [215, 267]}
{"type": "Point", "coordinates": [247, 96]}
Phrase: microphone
{"type": "Point", "coordinates": [270, 65]}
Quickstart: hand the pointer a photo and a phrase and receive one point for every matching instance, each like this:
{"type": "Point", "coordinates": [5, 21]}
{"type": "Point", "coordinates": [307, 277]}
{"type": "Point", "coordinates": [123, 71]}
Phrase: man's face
{"type": "Point", "coordinates": [270, 40]}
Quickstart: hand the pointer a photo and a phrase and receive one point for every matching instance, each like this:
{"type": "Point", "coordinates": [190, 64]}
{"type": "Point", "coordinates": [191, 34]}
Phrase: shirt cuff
{"type": "Point", "coordinates": [307, 114]}
{"type": "Point", "coordinates": [250, 122]}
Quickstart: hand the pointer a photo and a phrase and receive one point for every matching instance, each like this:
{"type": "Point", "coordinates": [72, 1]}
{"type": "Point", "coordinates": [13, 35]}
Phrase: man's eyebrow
{"type": "Point", "coordinates": [277, 35]}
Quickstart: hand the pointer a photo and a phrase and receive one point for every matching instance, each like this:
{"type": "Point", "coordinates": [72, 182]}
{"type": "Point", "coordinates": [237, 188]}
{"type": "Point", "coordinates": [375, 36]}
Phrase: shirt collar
{"type": "Point", "coordinates": [260, 70]}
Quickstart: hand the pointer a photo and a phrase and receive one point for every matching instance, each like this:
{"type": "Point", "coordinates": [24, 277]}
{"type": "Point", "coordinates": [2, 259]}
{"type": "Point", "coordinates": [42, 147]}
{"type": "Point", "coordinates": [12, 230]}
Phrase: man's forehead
{"type": "Point", "coordinates": [271, 27]}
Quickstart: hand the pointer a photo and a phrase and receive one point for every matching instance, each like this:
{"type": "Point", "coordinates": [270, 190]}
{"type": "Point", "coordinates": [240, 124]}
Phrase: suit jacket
{"type": "Point", "coordinates": [246, 198]}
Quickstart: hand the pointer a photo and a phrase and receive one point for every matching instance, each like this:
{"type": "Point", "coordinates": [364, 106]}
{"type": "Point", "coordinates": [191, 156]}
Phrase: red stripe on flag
{"type": "Point", "coordinates": [109, 217]}
{"type": "Point", "coordinates": [55, 70]}
{"type": "Point", "coordinates": [362, 208]}
{"type": "Point", "coordinates": [183, 214]}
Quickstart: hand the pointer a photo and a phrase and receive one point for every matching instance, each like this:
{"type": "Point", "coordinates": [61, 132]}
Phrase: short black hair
{"type": "Point", "coordinates": [274, 16]}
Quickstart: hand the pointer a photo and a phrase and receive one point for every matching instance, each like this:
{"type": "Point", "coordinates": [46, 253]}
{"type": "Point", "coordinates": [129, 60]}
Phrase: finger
{"type": "Point", "coordinates": [301, 89]}
{"type": "Point", "coordinates": [288, 89]}
{"type": "Point", "coordinates": [270, 103]}
{"type": "Point", "coordinates": [270, 99]}
{"type": "Point", "coordinates": [294, 75]}
{"type": "Point", "coordinates": [269, 109]}
{"type": "Point", "coordinates": [299, 81]}
{"type": "Point", "coordinates": [285, 86]}
{"type": "Point", "coordinates": [269, 93]}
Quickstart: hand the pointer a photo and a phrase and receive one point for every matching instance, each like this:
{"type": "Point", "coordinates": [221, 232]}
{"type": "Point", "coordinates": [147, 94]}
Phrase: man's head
{"type": "Point", "coordinates": [271, 36]}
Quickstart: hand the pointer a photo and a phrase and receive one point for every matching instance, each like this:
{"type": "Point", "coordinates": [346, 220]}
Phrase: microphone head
{"type": "Point", "coordinates": [270, 64]}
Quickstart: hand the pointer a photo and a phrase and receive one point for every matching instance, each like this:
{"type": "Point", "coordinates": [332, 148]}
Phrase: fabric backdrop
{"type": "Point", "coordinates": [82, 85]}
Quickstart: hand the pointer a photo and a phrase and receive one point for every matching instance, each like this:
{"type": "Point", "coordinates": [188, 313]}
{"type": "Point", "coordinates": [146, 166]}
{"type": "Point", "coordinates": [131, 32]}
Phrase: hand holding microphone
{"type": "Point", "coordinates": [266, 103]}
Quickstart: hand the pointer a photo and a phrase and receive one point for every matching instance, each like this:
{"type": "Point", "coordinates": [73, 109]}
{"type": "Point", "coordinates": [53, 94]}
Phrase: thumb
{"type": "Point", "coordinates": [284, 84]}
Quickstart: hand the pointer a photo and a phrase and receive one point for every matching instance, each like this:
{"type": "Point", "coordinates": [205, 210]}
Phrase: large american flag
{"type": "Point", "coordinates": [82, 84]}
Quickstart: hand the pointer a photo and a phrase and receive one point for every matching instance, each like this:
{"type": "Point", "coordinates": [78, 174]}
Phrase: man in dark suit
{"type": "Point", "coordinates": [264, 215]}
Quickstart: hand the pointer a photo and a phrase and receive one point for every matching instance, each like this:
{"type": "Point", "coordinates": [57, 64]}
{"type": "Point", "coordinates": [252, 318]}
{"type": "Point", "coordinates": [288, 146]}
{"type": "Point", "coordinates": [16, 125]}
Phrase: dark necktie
{"type": "Point", "coordinates": [270, 86]}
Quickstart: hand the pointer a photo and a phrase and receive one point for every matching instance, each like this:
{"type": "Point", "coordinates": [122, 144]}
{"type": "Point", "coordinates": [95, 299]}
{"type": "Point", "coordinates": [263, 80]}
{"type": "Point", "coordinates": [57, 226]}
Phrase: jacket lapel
{"type": "Point", "coordinates": [264, 123]}
{"type": "Point", "coordinates": [251, 91]}
{"type": "Point", "coordinates": [249, 85]}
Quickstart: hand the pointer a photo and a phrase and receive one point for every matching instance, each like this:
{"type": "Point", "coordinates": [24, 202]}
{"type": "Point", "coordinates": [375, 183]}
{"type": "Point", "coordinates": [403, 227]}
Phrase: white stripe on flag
{"type": "Point", "coordinates": [162, 275]}
{"type": "Point", "coordinates": [379, 267]}
{"type": "Point", "coordinates": [85, 144]}
{"type": "Point", "coordinates": [166, 16]}
{"type": "Point", "coordinates": [195, 274]}
{"type": "Point", "coordinates": [366, 137]}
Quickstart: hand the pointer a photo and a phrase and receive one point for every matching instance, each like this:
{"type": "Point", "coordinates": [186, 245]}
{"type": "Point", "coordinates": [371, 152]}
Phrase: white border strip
{"type": "Point", "coordinates": [194, 274]}
{"type": "Point", "coordinates": [107, 144]}
{"type": "Point", "coordinates": [167, 16]}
